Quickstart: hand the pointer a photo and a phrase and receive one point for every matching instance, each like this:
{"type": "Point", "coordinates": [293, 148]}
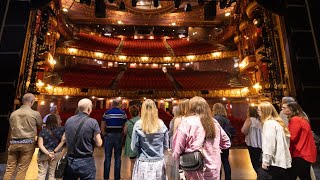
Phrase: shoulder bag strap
{"type": "Point", "coordinates": [133, 125]}
{"type": "Point", "coordinates": [75, 137]}
{"type": "Point", "coordinates": [54, 136]}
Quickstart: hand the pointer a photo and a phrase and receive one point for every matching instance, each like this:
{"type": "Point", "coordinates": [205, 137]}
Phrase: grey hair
{"type": "Point", "coordinates": [115, 103]}
{"type": "Point", "coordinates": [287, 99]}
{"type": "Point", "coordinates": [83, 104]}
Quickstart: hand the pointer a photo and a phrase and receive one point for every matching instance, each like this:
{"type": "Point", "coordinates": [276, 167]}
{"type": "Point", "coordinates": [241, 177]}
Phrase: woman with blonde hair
{"type": "Point", "coordinates": [276, 158]}
{"type": "Point", "coordinates": [200, 132]}
{"type": "Point", "coordinates": [183, 110]}
{"type": "Point", "coordinates": [302, 146]}
{"type": "Point", "coordinates": [220, 114]}
{"type": "Point", "coordinates": [149, 140]}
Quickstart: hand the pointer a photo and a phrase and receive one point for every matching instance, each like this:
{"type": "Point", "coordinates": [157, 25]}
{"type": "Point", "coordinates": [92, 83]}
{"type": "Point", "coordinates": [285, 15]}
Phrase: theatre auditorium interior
{"type": "Point", "coordinates": [235, 52]}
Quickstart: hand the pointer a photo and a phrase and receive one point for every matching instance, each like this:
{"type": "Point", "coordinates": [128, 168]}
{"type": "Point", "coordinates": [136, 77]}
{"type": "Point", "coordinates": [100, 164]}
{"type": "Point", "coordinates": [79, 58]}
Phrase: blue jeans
{"type": "Point", "coordinates": [113, 141]}
{"type": "Point", "coordinates": [83, 168]}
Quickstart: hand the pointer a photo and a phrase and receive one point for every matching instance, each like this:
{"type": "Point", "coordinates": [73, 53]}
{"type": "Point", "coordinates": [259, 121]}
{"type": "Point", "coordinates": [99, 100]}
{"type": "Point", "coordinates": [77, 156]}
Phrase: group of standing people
{"type": "Point", "coordinates": [280, 148]}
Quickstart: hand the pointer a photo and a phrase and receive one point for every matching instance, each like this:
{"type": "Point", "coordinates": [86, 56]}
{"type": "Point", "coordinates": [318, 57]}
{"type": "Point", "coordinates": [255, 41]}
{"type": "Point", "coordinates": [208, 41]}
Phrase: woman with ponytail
{"type": "Point", "coordinates": [276, 159]}
{"type": "Point", "coordinates": [200, 132]}
{"type": "Point", "coordinates": [302, 146]}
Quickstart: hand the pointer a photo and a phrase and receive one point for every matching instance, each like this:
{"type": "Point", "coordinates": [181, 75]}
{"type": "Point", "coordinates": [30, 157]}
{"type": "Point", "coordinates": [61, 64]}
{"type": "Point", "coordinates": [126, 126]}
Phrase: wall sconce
{"type": "Point", "coordinates": [257, 86]}
{"type": "Point", "coordinates": [39, 84]}
{"type": "Point", "coordinates": [72, 50]}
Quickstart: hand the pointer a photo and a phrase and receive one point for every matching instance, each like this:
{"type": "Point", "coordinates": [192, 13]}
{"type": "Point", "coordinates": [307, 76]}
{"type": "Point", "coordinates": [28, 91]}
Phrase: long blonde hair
{"type": "Point", "coordinates": [149, 117]}
{"type": "Point", "coordinates": [219, 110]}
{"type": "Point", "coordinates": [199, 106]}
{"type": "Point", "coordinates": [268, 112]}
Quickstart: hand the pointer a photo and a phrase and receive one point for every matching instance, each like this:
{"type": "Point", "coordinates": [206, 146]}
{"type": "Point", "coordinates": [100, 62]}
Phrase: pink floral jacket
{"type": "Point", "coordinates": [190, 136]}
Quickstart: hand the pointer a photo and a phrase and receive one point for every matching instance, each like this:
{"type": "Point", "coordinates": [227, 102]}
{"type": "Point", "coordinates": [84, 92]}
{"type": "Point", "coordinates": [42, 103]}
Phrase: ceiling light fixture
{"type": "Point", "coordinates": [122, 6]}
{"type": "Point", "coordinates": [156, 3]}
{"type": "Point", "coordinates": [188, 7]}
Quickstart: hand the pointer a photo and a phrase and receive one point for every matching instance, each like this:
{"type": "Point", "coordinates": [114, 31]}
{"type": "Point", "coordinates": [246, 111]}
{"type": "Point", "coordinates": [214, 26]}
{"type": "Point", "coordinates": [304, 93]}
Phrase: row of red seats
{"type": "Point", "coordinates": [99, 39]}
{"type": "Point", "coordinates": [145, 79]}
{"type": "Point", "coordinates": [201, 79]}
{"type": "Point", "coordinates": [183, 47]}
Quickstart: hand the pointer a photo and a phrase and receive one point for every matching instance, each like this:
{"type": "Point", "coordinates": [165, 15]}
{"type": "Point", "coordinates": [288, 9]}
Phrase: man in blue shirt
{"type": "Point", "coordinates": [112, 128]}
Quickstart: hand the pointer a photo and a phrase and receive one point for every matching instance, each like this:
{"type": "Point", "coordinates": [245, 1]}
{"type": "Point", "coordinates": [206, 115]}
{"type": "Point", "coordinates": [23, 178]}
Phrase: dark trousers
{"type": "Point", "coordinates": [113, 141]}
{"type": "Point", "coordinates": [273, 173]}
{"type": "Point", "coordinates": [83, 168]}
{"type": "Point", "coordinates": [255, 157]}
{"type": "Point", "coordinates": [300, 168]}
{"type": "Point", "coordinates": [226, 164]}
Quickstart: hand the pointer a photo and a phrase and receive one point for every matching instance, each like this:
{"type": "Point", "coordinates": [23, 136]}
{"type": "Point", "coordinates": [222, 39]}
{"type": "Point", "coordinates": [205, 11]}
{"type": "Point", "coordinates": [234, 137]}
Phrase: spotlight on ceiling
{"type": "Point", "coordinates": [188, 8]}
{"type": "Point", "coordinates": [201, 2]}
{"type": "Point", "coordinates": [134, 3]}
{"type": "Point", "coordinates": [156, 3]}
{"type": "Point", "coordinates": [100, 9]}
{"type": "Point", "coordinates": [258, 22]}
{"type": "Point", "coordinates": [87, 2]}
{"type": "Point", "coordinates": [177, 3]}
{"type": "Point", "coordinates": [122, 6]}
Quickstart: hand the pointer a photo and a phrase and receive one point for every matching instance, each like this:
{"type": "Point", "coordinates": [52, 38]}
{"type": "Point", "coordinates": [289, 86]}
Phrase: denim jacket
{"type": "Point", "coordinates": [149, 146]}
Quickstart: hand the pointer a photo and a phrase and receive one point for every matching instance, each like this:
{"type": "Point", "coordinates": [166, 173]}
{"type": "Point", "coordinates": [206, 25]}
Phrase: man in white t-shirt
{"type": "Point", "coordinates": [53, 111]}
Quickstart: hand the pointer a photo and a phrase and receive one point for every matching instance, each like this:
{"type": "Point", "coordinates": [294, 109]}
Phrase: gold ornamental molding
{"type": "Point", "coordinates": [248, 63]}
{"type": "Point", "coordinates": [145, 59]}
{"type": "Point", "coordinates": [243, 25]}
{"type": "Point", "coordinates": [236, 39]}
{"type": "Point", "coordinates": [103, 93]}
{"type": "Point", "coordinates": [251, 7]}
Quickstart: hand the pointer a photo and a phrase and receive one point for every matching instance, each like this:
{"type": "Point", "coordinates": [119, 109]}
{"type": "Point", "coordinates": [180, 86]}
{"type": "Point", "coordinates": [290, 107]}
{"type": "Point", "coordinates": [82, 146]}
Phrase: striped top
{"type": "Point", "coordinates": [115, 119]}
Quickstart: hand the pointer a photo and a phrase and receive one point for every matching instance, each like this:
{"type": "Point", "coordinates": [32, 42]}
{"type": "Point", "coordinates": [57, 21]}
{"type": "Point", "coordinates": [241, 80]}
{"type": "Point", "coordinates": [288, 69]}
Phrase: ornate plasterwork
{"type": "Point", "coordinates": [143, 59]}
{"type": "Point", "coordinates": [68, 91]}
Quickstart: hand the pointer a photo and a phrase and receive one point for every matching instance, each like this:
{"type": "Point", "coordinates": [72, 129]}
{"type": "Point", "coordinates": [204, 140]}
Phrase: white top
{"type": "Point", "coordinates": [275, 145]}
{"type": "Point", "coordinates": [253, 138]}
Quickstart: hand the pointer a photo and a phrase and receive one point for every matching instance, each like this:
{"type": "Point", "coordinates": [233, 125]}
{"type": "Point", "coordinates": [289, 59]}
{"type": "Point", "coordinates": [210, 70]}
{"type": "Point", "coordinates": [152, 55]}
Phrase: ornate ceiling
{"type": "Point", "coordinates": [164, 15]}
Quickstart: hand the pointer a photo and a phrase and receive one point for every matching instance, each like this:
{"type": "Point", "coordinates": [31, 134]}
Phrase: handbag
{"type": "Point", "coordinates": [61, 166]}
{"type": "Point", "coordinates": [192, 161]}
{"type": "Point", "coordinates": [63, 161]}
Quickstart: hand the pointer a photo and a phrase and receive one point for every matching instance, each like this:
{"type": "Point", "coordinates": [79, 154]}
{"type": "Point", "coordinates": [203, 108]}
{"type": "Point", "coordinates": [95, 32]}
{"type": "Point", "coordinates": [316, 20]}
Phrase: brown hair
{"type": "Point", "coordinates": [253, 112]}
{"type": "Point", "coordinates": [52, 121]}
{"type": "Point", "coordinates": [219, 110]}
{"type": "Point", "coordinates": [296, 110]}
{"type": "Point", "coordinates": [199, 106]}
{"type": "Point", "coordinates": [134, 110]}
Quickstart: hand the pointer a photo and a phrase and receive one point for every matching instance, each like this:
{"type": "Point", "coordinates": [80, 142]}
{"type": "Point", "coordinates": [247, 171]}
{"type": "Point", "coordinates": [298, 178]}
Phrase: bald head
{"type": "Point", "coordinates": [28, 99]}
{"type": "Point", "coordinates": [85, 105]}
